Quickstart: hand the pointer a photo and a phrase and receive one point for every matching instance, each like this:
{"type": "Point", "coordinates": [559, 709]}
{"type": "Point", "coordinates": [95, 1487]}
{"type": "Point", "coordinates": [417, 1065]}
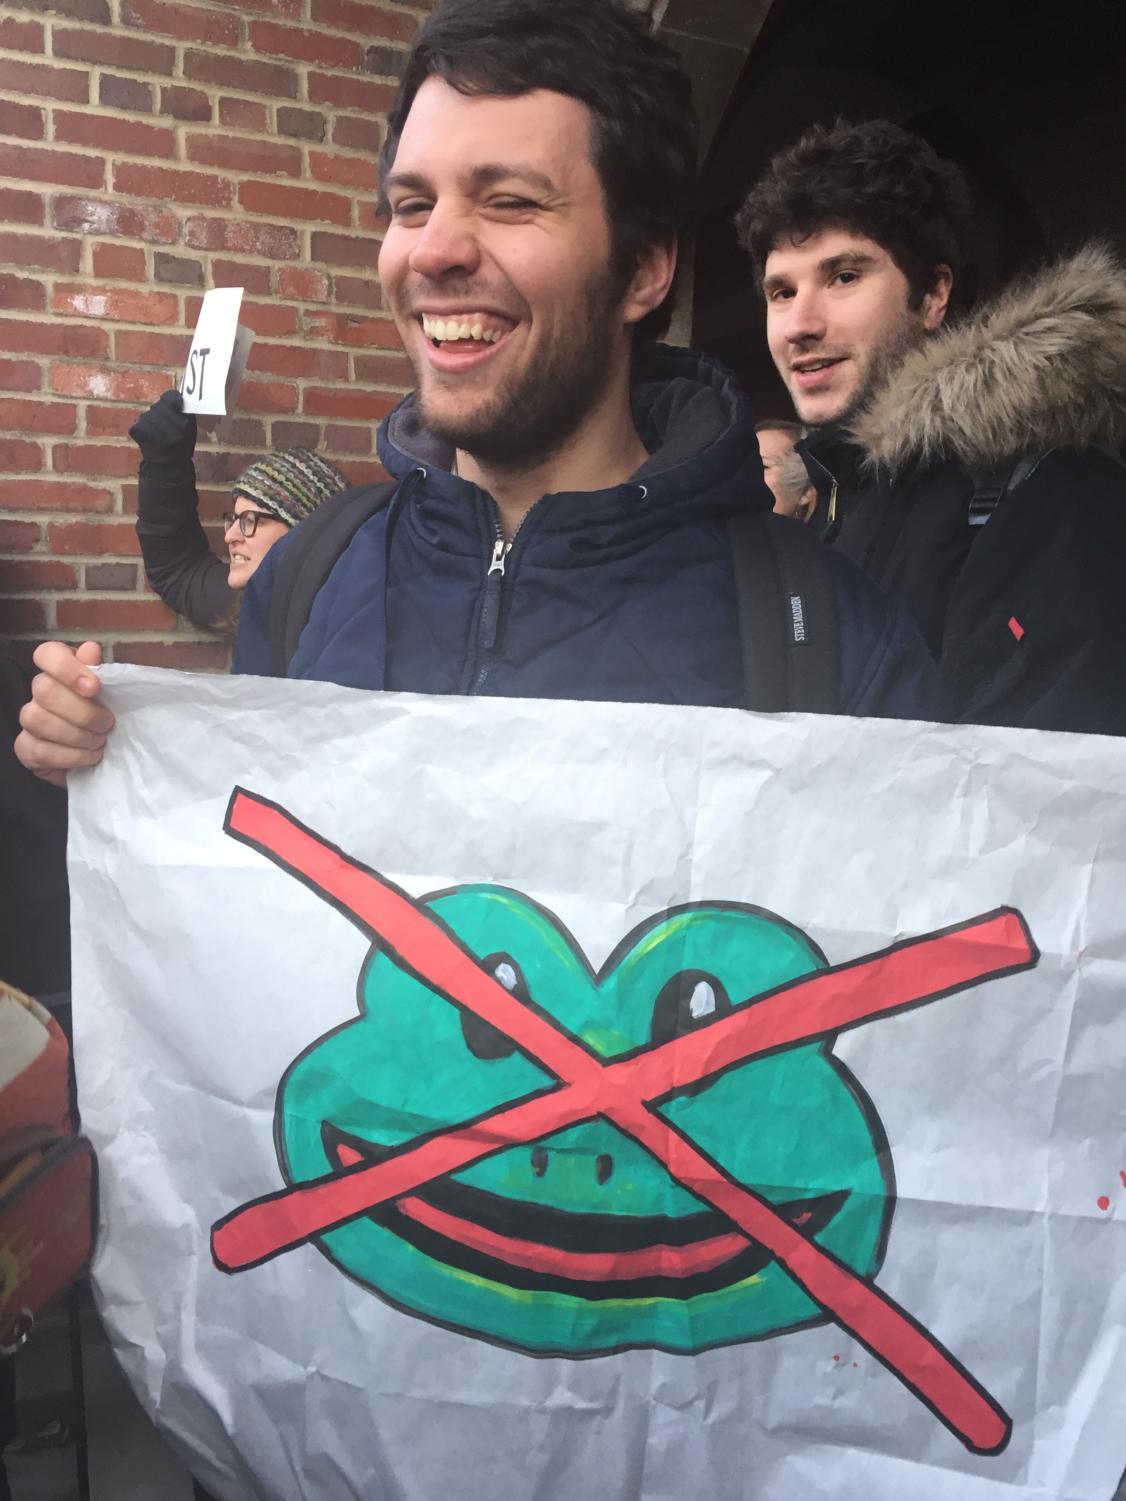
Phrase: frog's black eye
{"type": "Point", "coordinates": [481, 1038]}
{"type": "Point", "coordinates": [689, 1000]}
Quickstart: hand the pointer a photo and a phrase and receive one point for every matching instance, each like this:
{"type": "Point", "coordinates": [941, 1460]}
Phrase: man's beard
{"type": "Point", "coordinates": [530, 415]}
{"type": "Point", "coordinates": [883, 362]}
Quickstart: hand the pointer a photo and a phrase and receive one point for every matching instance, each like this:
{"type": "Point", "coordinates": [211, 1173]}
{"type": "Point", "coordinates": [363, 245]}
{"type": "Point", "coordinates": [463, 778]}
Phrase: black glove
{"type": "Point", "coordinates": [165, 434]}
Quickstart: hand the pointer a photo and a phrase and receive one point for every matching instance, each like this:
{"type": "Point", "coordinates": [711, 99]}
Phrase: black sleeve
{"type": "Point", "coordinates": [1036, 631]}
{"type": "Point", "coordinates": [181, 567]}
{"type": "Point", "coordinates": [35, 910]}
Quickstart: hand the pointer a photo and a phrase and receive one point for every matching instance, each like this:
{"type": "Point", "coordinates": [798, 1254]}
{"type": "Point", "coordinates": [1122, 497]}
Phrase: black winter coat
{"type": "Point", "coordinates": [1026, 614]}
{"type": "Point", "coordinates": [35, 905]}
{"type": "Point", "coordinates": [624, 594]}
{"type": "Point", "coordinates": [181, 567]}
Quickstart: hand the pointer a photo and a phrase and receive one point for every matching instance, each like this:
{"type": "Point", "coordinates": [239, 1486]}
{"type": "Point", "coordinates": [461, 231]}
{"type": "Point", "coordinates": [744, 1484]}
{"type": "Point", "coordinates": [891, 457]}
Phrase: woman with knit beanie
{"type": "Point", "coordinates": [269, 497]}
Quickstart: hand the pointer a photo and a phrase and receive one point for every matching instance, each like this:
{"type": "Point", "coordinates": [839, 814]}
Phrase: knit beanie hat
{"type": "Point", "coordinates": [290, 483]}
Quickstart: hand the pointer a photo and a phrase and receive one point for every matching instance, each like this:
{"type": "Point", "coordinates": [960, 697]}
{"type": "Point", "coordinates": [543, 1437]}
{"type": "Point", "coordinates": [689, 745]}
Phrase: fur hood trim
{"type": "Point", "coordinates": [1043, 366]}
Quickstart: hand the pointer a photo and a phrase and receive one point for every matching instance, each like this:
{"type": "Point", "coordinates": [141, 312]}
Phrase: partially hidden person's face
{"type": "Point", "coordinates": [774, 443]}
{"type": "Point", "coordinates": [497, 268]}
{"type": "Point", "coordinates": [245, 553]}
{"type": "Point", "coordinates": [838, 318]}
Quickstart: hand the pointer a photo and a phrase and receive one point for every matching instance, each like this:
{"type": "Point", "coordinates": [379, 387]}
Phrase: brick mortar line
{"type": "Point", "coordinates": [93, 596]}
{"type": "Point", "coordinates": [113, 482]}
{"type": "Point", "coordinates": [255, 259]}
{"type": "Point", "coordinates": [131, 325]}
{"type": "Point", "coordinates": [176, 207]}
{"type": "Point", "coordinates": [215, 91]}
{"type": "Point", "coordinates": [76, 560]}
{"type": "Point", "coordinates": [362, 384]}
{"type": "Point", "coordinates": [262, 377]}
{"type": "Point", "coordinates": [100, 404]}
{"type": "Point", "coordinates": [255, 262]}
{"type": "Point", "coordinates": [205, 169]}
{"type": "Point", "coordinates": [244, 48]}
{"type": "Point", "coordinates": [87, 320]}
{"type": "Point", "coordinates": [242, 215]}
{"type": "Point", "coordinates": [274, 341]}
{"type": "Point", "coordinates": [205, 131]}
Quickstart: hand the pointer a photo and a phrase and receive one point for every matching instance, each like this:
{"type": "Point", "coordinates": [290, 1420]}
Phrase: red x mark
{"type": "Point", "coordinates": [624, 1092]}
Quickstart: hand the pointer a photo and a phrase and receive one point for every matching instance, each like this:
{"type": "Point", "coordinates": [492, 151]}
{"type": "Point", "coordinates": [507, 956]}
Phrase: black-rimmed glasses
{"type": "Point", "coordinates": [247, 520]}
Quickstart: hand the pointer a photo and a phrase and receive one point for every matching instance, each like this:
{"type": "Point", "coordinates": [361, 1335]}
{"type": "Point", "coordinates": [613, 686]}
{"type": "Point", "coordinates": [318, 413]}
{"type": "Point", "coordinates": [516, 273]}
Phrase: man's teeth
{"type": "Point", "coordinates": [471, 327]}
{"type": "Point", "coordinates": [821, 365]}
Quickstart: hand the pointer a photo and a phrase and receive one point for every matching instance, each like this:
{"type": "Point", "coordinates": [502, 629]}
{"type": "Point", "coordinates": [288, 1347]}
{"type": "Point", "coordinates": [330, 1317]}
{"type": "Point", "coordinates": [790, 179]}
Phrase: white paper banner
{"type": "Point", "coordinates": [504, 1099]}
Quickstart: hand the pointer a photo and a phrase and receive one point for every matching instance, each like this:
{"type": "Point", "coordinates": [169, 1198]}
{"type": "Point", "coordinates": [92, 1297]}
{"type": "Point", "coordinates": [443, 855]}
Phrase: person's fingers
{"type": "Point", "coordinates": [48, 755]}
{"type": "Point", "coordinates": [49, 696]}
{"type": "Point", "coordinates": [51, 761]}
{"type": "Point", "coordinates": [63, 664]}
{"type": "Point", "coordinates": [51, 728]}
{"type": "Point", "coordinates": [89, 654]}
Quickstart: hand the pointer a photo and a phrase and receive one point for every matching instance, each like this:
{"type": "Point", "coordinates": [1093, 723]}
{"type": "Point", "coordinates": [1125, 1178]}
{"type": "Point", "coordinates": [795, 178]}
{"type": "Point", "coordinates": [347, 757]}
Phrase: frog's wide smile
{"type": "Point", "coordinates": [537, 1246]}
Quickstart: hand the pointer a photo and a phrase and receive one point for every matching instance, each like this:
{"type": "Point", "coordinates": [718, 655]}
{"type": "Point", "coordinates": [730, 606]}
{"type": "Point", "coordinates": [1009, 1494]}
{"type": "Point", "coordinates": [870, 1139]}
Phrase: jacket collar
{"type": "Point", "coordinates": [692, 417]}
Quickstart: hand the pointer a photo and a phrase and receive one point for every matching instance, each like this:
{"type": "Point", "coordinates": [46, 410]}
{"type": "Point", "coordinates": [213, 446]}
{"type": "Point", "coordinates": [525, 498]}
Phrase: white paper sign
{"type": "Point", "coordinates": [218, 356]}
{"type": "Point", "coordinates": [509, 1099]}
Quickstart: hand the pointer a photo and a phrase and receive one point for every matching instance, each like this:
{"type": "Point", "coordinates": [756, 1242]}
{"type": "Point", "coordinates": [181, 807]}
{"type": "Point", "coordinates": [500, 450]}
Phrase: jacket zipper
{"type": "Point", "coordinates": [490, 609]}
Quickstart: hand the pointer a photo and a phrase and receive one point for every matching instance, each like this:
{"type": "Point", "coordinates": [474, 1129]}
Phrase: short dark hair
{"type": "Point", "coordinates": [875, 179]}
{"type": "Point", "coordinates": [601, 53]}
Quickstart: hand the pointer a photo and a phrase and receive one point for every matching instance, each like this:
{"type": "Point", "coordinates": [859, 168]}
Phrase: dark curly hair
{"type": "Point", "coordinates": [874, 179]}
{"type": "Point", "coordinates": [596, 51]}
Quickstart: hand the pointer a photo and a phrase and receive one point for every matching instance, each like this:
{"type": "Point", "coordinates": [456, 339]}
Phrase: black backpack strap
{"type": "Point", "coordinates": [308, 559]}
{"type": "Point", "coordinates": [993, 484]}
{"type": "Point", "coordinates": [787, 616]}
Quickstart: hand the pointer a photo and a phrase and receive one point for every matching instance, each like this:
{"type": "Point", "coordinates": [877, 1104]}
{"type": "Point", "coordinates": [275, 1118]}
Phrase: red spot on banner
{"type": "Point", "coordinates": [1016, 627]}
{"type": "Point", "coordinates": [1103, 1202]}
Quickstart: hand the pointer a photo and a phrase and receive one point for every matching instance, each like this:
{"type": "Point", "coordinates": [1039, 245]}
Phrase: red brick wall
{"type": "Point", "coordinates": [149, 150]}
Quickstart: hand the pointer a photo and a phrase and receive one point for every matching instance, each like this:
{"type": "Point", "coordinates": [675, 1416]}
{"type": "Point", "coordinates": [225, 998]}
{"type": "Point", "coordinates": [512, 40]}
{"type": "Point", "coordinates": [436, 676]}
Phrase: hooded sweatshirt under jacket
{"type": "Point", "coordinates": [625, 594]}
{"type": "Point", "coordinates": [1026, 612]}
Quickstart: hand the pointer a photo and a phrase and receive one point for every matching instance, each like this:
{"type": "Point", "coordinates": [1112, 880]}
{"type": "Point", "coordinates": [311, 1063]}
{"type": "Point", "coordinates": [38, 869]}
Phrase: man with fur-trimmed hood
{"type": "Point", "coordinates": [974, 470]}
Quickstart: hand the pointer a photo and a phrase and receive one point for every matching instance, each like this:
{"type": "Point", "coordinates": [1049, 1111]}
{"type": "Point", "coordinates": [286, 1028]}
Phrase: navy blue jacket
{"type": "Point", "coordinates": [625, 594]}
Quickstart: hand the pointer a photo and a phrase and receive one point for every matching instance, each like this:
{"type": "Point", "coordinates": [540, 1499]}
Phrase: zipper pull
{"type": "Point", "coordinates": [833, 503]}
{"type": "Point", "coordinates": [500, 552]}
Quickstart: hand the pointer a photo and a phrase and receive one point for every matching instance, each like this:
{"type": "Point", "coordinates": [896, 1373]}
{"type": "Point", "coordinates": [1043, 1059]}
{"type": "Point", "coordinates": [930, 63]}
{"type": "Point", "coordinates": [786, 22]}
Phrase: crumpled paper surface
{"type": "Point", "coordinates": [981, 1132]}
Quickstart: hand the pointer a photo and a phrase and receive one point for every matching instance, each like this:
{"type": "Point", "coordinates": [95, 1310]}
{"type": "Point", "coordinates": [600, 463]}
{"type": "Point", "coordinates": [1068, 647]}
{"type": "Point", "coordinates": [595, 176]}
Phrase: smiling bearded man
{"type": "Point", "coordinates": [500, 269]}
{"type": "Point", "coordinates": [559, 522]}
{"type": "Point", "coordinates": [567, 494]}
